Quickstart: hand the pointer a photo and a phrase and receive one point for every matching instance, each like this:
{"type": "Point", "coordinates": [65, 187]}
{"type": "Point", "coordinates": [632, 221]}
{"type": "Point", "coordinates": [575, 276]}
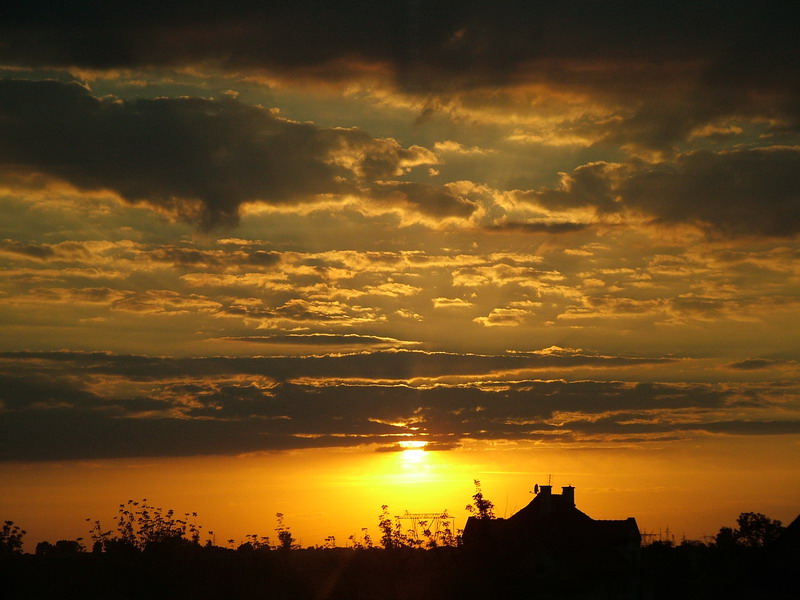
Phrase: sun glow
{"type": "Point", "coordinates": [412, 444]}
{"type": "Point", "coordinates": [413, 452]}
{"type": "Point", "coordinates": [414, 458]}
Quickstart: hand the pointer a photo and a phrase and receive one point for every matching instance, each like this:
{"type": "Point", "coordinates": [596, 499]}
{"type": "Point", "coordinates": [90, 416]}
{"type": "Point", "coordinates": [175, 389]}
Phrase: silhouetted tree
{"type": "Point", "coordinates": [725, 538]}
{"type": "Point", "coordinates": [757, 530]}
{"type": "Point", "coordinates": [285, 539]}
{"type": "Point", "coordinates": [44, 549]}
{"type": "Point", "coordinates": [11, 539]}
{"type": "Point", "coordinates": [392, 535]}
{"type": "Point", "coordinates": [60, 547]}
{"type": "Point", "coordinates": [481, 507]}
{"type": "Point", "coordinates": [140, 525]}
{"type": "Point", "coordinates": [256, 542]}
{"type": "Point", "coordinates": [70, 546]}
{"type": "Point", "coordinates": [386, 528]}
{"type": "Point", "coordinates": [364, 542]}
{"type": "Point", "coordinates": [100, 538]}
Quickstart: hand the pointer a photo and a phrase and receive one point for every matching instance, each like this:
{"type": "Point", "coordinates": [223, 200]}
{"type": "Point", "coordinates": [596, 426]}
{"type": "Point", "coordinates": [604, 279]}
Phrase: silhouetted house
{"type": "Point", "coordinates": [787, 546]}
{"type": "Point", "coordinates": [551, 534]}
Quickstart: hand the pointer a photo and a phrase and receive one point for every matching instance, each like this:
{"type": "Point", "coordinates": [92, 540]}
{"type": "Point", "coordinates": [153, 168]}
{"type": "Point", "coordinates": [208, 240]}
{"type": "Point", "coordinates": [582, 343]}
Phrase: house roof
{"type": "Point", "coordinates": [552, 520]}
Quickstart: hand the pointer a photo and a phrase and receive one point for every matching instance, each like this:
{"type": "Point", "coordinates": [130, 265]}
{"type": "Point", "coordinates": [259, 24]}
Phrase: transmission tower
{"type": "Point", "coordinates": [434, 525]}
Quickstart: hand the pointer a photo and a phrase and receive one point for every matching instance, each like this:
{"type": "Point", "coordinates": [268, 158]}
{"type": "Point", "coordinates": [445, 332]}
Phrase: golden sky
{"type": "Point", "coordinates": [246, 252]}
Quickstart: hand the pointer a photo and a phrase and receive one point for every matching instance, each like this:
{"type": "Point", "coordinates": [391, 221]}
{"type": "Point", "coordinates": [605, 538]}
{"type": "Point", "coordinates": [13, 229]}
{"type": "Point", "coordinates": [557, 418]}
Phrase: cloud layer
{"type": "Point", "coordinates": [249, 228]}
{"type": "Point", "coordinates": [144, 406]}
{"type": "Point", "coordinates": [663, 70]}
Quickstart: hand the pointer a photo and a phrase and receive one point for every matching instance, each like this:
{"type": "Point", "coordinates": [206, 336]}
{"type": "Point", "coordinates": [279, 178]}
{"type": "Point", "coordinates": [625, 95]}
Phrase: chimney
{"type": "Point", "coordinates": [568, 493]}
{"type": "Point", "coordinates": [545, 500]}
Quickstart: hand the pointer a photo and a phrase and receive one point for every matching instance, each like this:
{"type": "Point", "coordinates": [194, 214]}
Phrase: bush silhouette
{"type": "Point", "coordinates": [11, 539]}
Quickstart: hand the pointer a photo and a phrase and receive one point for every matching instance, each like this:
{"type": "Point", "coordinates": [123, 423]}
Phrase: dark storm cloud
{"type": "Point", "coordinates": [300, 311]}
{"type": "Point", "coordinates": [322, 339]}
{"type": "Point", "coordinates": [181, 256]}
{"type": "Point", "coordinates": [755, 192]}
{"type": "Point", "coordinates": [586, 185]}
{"type": "Point", "coordinates": [184, 257]}
{"type": "Point", "coordinates": [733, 193]}
{"type": "Point", "coordinates": [391, 365]}
{"type": "Point", "coordinates": [751, 41]}
{"type": "Point", "coordinates": [34, 251]}
{"type": "Point", "coordinates": [670, 65]}
{"type": "Point", "coordinates": [228, 405]}
{"type": "Point", "coordinates": [23, 392]}
{"type": "Point", "coordinates": [754, 364]}
{"type": "Point", "coordinates": [67, 435]}
{"type": "Point", "coordinates": [428, 199]}
{"type": "Point", "coordinates": [62, 251]}
{"type": "Point", "coordinates": [196, 158]}
{"type": "Point", "coordinates": [443, 411]}
{"type": "Point", "coordinates": [50, 413]}
{"type": "Point", "coordinates": [262, 258]}
{"type": "Point", "coordinates": [56, 392]}
{"type": "Point", "coordinates": [545, 227]}
{"type": "Point", "coordinates": [616, 425]}
{"type": "Point", "coordinates": [169, 152]}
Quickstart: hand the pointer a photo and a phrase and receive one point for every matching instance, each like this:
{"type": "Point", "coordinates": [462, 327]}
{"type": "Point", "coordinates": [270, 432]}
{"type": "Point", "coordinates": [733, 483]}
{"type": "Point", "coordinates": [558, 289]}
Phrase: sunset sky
{"type": "Point", "coordinates": [249, 253]}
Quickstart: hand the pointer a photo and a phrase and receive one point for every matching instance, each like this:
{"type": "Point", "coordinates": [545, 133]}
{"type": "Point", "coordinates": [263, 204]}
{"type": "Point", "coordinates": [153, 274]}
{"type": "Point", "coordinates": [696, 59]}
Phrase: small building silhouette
{"type": "Point", "coordinates": [551, 534]}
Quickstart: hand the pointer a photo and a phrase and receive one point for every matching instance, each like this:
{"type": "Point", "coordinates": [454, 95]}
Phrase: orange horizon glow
{"type": "Point", "coordinates": [326, 493]}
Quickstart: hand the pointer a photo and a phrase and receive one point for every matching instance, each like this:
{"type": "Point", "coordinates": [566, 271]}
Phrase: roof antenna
{"type": "Point", "coordinates": [549, 480]}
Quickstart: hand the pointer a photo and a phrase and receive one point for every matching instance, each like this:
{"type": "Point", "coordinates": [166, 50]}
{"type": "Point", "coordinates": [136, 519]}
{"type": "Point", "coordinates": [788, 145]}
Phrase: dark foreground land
{"type": "Point", "coordinates": [193, 572]}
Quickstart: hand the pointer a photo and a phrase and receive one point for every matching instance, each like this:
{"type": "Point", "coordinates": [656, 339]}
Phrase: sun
{"type": "Point", "coordinates": [413, 452]}
{"type": "Point", "coordinates": [412, 444]}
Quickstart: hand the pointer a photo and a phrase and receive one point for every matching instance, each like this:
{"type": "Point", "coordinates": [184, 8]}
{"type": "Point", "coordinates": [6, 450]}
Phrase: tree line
{"type": "Point", "coordinates": [149, 552]}
{"type": "Point", "coordinates": [140, 525]}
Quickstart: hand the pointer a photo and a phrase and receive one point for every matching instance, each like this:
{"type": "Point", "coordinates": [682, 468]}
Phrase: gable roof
{"type": "Point", "coordinates": [552, 520]}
